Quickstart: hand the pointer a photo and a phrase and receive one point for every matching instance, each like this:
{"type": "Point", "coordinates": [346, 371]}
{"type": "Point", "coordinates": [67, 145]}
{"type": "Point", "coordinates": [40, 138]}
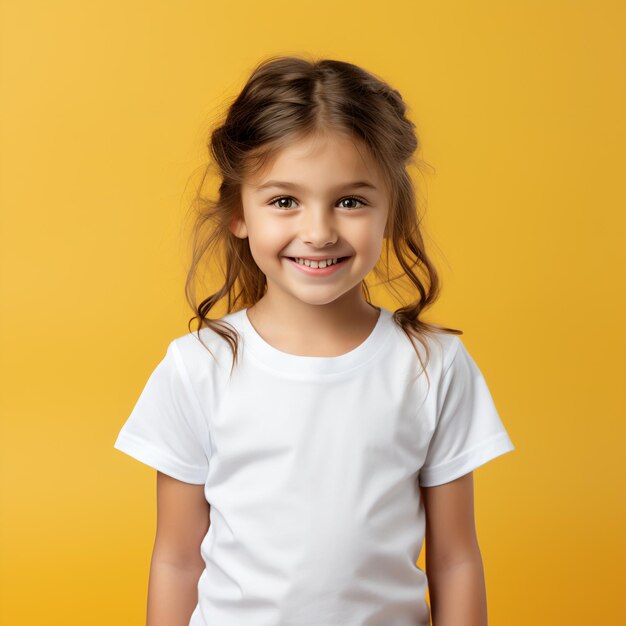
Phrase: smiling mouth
{"type": "Point", "coordinates": [315, 262]}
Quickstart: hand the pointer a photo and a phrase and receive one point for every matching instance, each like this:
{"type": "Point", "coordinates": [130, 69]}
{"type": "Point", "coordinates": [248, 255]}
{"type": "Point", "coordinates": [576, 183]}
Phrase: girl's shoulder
{"type": "Point", "coordinates": [210, 346]}
{"type": "Point", "coordinates": [439, 348]}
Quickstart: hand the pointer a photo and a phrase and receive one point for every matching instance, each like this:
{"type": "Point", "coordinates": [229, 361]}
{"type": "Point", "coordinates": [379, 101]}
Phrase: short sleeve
{"type": "Point", "coordinates": [167, 429]}
{"type": "Point", "coordinates": [468, 431]}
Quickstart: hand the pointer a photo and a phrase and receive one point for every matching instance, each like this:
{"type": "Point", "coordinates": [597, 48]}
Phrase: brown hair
{"type": "Point", "coordinates": [287, 98]}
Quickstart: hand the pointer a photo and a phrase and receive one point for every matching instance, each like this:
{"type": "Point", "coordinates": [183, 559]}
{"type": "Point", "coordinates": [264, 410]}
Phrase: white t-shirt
{"type": "Point", "coordinates": [312, 467]}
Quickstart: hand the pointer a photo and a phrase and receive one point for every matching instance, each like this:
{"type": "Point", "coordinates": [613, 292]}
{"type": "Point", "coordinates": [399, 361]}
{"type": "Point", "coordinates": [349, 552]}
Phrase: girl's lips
{"type": "Point", "coordinates": [320, 271]}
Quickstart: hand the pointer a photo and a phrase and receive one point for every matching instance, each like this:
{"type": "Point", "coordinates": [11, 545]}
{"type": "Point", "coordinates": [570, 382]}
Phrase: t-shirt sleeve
{"type": "Point", "coordinates": [468, 431]}
{"type": "Point", "coordinates": [167, 429]}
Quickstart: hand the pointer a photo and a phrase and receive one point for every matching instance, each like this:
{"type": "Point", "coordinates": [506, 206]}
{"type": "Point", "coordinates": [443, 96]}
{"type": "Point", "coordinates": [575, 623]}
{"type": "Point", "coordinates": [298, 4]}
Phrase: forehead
{"type": "Point", "coordinates": [320, 160]}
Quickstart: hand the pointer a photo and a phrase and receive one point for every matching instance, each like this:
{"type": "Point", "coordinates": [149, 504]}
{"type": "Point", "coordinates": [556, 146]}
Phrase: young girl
{"type": "Point", "coordinates": [308, 442]}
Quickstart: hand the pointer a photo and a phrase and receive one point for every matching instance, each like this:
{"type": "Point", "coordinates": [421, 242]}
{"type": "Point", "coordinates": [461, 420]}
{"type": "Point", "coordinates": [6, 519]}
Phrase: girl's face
{"type": "Point", "coordinates": [320, 198]}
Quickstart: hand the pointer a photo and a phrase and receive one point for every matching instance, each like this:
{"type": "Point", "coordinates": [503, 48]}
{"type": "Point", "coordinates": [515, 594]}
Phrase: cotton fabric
{"type": "Point", "coordinates": [313, 467]}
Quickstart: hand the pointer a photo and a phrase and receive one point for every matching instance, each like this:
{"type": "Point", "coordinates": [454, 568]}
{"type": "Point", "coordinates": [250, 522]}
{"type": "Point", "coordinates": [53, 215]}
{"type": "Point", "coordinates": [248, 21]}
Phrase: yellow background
{"type": "Point", "coordinates": [105, 109]}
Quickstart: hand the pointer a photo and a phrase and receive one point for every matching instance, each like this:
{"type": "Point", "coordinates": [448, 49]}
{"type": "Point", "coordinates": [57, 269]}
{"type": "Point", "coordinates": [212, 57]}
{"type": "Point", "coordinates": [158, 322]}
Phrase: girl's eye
{"type": "Point", "coordinates": [290, 199]}
{"type": "Point", "coordinates": [353, 198]}
{"type": "Point", "coordinates": [287, 198]}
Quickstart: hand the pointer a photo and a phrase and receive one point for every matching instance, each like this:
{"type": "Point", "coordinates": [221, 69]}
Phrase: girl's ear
{"type": "Point", "coordinates": [238, 228]}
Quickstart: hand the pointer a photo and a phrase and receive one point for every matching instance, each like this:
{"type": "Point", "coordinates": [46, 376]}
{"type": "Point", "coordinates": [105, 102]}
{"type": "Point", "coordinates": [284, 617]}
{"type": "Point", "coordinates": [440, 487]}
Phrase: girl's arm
{"type": "Point", "coordinates": [454, 565]}
{"type": "Point", "coordinates": [182, 523]}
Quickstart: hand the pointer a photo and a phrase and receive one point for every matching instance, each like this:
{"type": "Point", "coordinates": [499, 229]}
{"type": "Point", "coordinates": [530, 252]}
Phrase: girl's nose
{"type": "Point", "coordinates": [319, 228]}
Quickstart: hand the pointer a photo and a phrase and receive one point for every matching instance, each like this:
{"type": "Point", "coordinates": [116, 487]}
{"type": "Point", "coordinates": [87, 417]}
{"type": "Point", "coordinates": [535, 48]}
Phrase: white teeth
{"type": "Point", "coordinates": [316, 264]}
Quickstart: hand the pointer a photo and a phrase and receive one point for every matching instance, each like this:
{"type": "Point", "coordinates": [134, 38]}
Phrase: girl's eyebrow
{"type": "Point", "coordinates": [288, 185]}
